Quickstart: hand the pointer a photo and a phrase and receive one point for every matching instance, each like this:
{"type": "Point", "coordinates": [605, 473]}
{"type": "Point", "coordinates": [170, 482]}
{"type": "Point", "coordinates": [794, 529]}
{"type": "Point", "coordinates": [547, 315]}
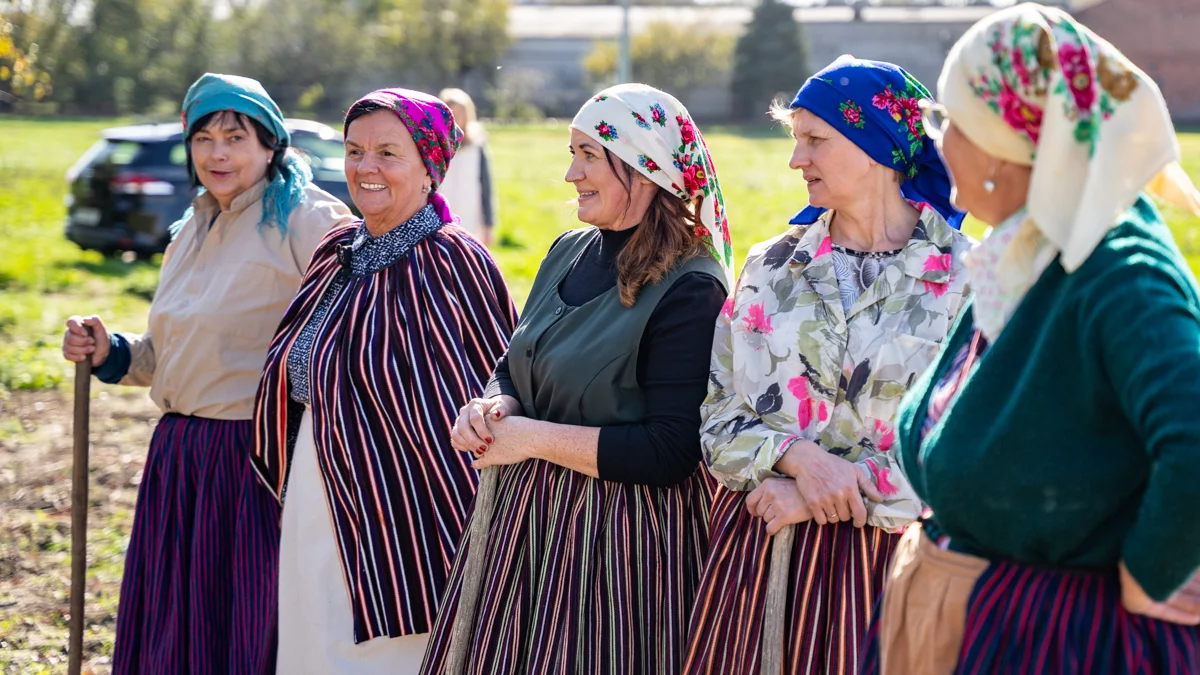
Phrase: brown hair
{"type": "Point", "coordinates": [665, 238]}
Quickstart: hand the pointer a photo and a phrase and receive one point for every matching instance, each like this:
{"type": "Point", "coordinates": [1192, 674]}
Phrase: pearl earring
{"type": "Point", "coordinates": [989, 186]}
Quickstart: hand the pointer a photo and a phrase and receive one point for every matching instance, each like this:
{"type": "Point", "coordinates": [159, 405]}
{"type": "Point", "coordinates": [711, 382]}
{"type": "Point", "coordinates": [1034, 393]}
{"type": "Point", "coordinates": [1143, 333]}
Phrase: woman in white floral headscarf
{"type": "Point", "coordinates": [1057, 438]}
{"type": "Point", "coordinates": [590, 525]}
{"type": "Point", "coordinates": [830, 323]}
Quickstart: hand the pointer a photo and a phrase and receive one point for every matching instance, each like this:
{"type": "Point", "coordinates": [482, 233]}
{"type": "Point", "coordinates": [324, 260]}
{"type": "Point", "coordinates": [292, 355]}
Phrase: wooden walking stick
{"type": "Point", "coordinates": [476, 534]}
{"type": "Point", "coordinates": [776, 604]}
{"type": "Point", "coordinates": [79, 508]}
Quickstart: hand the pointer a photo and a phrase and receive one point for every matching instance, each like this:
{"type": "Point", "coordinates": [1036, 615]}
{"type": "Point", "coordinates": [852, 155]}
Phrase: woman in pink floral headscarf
{"type": "Point", "coordinates": [1057, 438]}
{"type": "Point", "coordinates": [398, 323]}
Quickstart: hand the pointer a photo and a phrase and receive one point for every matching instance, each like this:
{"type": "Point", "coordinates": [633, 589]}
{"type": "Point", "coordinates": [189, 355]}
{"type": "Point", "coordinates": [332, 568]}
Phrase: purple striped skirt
{"type": "Point", "coordinates": [1030, 620]}
{"type": "Point", "coordinates": [836, 573]}
{"type": "Point", "coordinates": [194, 599]}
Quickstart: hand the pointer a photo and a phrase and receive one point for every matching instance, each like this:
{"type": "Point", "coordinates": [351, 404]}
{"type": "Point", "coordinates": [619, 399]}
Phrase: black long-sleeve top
{"type": "Point", "coordinates": [672, 369]}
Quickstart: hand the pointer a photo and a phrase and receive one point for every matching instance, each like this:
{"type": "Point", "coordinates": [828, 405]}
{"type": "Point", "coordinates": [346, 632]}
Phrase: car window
{"type": "Point", "coordinates": [326, 155]}
{"type": "Point", "coordinates": [120, 153]}
{"type": "Point", "coordinates": [178, 155]}
{"type": "Point", "coordinates": [86, 160]}
{"type": "Point", "coordinates": [324, 148]}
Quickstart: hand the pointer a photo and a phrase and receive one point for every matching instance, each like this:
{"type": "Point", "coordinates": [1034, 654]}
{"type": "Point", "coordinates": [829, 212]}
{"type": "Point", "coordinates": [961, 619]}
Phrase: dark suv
{"type": "Point", "coordinates": [129, 187]}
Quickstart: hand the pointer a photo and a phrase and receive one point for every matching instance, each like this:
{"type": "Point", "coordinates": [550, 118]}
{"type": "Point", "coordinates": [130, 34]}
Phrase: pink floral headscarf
{"type": "Point", "coordinates": [432, 126]}
{"type": "Point", "coordinates": [1031, 86]}
{"type": "Point", "coordinates": [653, 132]}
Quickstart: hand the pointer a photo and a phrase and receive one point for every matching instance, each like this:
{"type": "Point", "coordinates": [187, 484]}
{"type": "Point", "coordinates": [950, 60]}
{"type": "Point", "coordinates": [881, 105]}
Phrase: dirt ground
{"type": "Point", "coordinates": [35, 521]}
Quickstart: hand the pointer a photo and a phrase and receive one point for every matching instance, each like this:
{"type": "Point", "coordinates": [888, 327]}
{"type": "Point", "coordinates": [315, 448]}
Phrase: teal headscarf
{"type": "Point", "coordinates": [288, 174]}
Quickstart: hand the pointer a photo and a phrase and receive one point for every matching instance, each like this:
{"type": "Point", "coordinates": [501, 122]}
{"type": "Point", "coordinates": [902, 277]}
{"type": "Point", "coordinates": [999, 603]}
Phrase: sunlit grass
{"type": "Point", "coordinates": [44, 278]}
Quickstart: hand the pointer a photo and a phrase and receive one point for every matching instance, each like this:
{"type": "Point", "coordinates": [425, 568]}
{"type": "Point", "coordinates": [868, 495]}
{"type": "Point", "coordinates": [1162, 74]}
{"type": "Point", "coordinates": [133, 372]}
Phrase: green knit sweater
{"type": "Point", "coordinates": [1075, 442]}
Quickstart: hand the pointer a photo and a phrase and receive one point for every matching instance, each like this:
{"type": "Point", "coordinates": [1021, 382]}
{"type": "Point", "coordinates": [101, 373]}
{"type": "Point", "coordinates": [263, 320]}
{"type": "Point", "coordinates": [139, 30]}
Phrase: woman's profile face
{"type": "Point", "coordinates": [969, 168]}
{"type": "Point", "coordinates": [835, 169]}
{"type": "Point", "coordinates": [460, 115]}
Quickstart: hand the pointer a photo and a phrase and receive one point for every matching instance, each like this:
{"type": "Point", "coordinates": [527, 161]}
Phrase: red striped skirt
{"type": "Point", "coordinates": [1028, 620]}
{"type": "Point", "coordinates": [837, 572]}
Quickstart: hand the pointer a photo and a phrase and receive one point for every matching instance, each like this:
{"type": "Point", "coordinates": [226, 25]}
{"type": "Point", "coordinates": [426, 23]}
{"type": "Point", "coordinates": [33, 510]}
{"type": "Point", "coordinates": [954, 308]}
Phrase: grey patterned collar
{"type": "Point", "coordinates": [369, 254]}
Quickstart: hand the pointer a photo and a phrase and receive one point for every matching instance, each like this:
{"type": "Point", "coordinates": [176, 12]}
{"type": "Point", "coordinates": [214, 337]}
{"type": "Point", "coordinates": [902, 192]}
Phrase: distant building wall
{"type": "Point", "coordinates": [1162, 37]}
{"type": "Point", "coordinates": [545, 61]}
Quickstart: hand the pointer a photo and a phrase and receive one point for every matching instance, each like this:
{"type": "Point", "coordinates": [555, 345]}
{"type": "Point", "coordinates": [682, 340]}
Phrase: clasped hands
{"type": "Point", "coordinates": [493, 431]}
{"type": "Point", "coordinates": [823, 487]}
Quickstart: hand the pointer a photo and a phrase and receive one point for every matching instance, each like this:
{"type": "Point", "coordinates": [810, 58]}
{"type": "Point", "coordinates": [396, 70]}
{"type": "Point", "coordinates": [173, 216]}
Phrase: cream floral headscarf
{"type": "Point", "coordinates": [1030, 85]}
{"type": "Point", "coordinates": [653, 132]}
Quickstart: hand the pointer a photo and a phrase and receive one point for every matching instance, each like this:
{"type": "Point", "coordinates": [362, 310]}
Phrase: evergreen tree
{"type": "Point", "coordinates": [770, 60]}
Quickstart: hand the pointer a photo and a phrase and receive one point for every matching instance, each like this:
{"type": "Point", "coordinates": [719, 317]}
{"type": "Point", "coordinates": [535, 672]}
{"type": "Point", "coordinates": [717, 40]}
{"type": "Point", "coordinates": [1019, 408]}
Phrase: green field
{"type": "Point", "coordinates": [44, 278]}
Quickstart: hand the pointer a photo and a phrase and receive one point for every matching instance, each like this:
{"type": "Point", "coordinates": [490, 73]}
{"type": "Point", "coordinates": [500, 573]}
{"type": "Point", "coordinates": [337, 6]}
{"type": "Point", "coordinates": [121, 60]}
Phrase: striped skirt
{"type": "Point", "coordinates": [836, 573]}
{"type": "Point", "coordinates": [1029, 620]}
{"type": "Point", "coordinates": [581, 576]}
{"type": "Point", "coordinates": [179, 612]}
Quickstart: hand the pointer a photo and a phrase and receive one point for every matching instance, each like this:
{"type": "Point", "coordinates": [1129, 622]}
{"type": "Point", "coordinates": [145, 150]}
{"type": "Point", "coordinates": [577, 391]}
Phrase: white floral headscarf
{"type": "Point", "coordinates": [653, 132]}
{"type": "Point", "coordinates": [1030, 85]}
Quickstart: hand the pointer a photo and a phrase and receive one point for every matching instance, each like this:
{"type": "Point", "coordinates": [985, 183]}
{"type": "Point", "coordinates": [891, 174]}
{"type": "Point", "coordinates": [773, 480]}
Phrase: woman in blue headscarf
{"type": "Point", "coordinates": [829, 324]}
{"type": "Point", "coordinates": [236, 260]}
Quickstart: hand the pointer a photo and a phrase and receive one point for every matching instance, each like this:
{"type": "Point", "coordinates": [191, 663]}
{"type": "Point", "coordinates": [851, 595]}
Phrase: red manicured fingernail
{"type": "Point", "coordinates": [489, 440]}
{"type": "Point", "coordinates": [483, 448]}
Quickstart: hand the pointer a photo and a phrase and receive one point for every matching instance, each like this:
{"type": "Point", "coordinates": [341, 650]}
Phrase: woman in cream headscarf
{"type": "Point", "coordinates": [1056, 439]}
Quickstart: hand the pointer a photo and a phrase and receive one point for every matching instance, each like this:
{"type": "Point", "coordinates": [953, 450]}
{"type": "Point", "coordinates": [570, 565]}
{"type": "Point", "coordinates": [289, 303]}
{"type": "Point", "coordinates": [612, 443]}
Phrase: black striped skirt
{"type": "Point", "coordinates": [1029, 620]}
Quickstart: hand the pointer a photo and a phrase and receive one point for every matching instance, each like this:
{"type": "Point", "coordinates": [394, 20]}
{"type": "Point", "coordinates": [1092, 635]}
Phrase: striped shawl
{"type": "Point", "coordinates": [399, 352]}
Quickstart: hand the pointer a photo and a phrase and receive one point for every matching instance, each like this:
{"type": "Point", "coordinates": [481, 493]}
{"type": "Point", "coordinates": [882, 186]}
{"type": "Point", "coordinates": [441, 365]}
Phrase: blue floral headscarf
{"type": "Point", "coordinates": [874, 104]}
{"type": "Point", "coordinates": [288, 174]}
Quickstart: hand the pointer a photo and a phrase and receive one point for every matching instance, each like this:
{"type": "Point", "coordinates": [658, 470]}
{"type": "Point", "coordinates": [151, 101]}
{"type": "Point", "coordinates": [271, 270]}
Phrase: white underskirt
{"type": "Point", "coordinates": [316, 626]}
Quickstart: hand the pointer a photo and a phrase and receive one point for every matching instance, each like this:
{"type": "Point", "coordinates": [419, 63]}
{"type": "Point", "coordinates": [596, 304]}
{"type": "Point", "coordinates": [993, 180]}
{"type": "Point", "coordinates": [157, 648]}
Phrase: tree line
{"type": "Point", "coordinates": [108, 57]}
{"type": "Point", "coordinates": [118, 57]}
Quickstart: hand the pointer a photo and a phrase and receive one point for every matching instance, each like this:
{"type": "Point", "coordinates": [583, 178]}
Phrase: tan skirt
{"type": "Point", "coordinates": [924, 610]}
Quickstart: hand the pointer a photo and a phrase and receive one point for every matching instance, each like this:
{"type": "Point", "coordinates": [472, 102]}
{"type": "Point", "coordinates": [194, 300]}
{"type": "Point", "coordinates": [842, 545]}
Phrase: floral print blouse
{"type": "Point", "coordinates": [790, 363]}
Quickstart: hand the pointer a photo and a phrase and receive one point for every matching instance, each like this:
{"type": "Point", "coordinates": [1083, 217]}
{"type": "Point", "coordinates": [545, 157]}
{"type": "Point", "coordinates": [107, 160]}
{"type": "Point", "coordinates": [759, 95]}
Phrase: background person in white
{"type": "Point", "coordinates": [468, 184]}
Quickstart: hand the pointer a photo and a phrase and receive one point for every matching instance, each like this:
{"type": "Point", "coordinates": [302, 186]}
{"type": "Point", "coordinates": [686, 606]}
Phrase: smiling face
{"type": "Point", "coordinates": [835, 169]}
{"type": "Point", "coordinates": [228, 156]}
{"type": "Point", "coordinates": [607, 200]}
{"type": "Point", "coordinates": [384, 170]}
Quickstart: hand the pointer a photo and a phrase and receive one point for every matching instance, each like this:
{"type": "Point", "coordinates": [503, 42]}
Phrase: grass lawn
{"type": "Point", "coordinates": [44, 279]}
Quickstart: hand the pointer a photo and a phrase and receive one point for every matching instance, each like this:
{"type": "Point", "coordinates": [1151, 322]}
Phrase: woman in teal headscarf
{"type": "Point", "coordinates": [235, 263]}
